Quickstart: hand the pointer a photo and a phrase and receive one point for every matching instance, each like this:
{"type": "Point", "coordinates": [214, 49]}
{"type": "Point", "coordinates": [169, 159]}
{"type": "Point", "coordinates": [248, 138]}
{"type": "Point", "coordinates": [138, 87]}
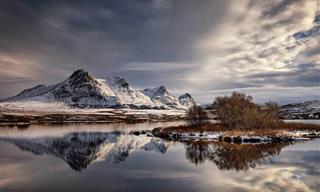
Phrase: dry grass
{"type": "Point", "coordinates": [210, 127]}
{"type": "Point", "coordinates": [299, 127]}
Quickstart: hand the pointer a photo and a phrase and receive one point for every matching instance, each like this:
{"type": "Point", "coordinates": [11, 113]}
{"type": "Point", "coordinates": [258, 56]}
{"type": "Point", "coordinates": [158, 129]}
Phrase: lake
{"type": "Point", "coordinates": [109, 157]}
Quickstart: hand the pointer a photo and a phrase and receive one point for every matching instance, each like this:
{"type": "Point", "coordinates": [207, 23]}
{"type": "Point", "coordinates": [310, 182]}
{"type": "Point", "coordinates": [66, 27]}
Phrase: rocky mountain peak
{"type": "Point", "coordinates": [186, 95]}
{"type": "Point", "coordinates": [118, 81]}
{"type": "Point", "coordinates": [162, 89]}
{"type": "Point", "coordinates": [186, 100]}
{"type": "Point", "coordinates": [80, 76]}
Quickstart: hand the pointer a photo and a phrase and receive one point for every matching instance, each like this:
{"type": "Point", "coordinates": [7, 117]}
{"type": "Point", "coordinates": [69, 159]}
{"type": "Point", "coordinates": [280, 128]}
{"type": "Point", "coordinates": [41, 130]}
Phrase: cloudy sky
{"type": "Point", "coordinates": [270, 49]}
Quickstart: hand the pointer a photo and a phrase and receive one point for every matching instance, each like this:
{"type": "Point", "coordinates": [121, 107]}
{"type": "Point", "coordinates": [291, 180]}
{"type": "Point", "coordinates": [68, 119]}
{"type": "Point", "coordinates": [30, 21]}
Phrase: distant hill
{"type": "Point", "coordinates": [302, 110]}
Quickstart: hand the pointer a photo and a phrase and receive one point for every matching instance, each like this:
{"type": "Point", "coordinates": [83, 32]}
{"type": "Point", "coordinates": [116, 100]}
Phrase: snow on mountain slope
{"type": "Point", "coordinates": [303, 110]}
{"type": "Point", "coordinates": [34, 91]}
{"type": "Point", "coordinates": [127, 95]}
{"type": "Point", "coordinates": [80, 89]}
{"type": "Point", "coordinates": [83, 90]}
{"type": "Point", "coordinates": [161, 96]}
{"type": "Point", "coordinates": [186, 100]}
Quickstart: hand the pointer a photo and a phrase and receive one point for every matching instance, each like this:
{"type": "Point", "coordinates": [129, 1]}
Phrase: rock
{"type": "Point", "coordinates": [136, 133]}
{"type": "Point", "coordinates": [227, 139]}
{"type": "Point", "coordinates": [237, 140]}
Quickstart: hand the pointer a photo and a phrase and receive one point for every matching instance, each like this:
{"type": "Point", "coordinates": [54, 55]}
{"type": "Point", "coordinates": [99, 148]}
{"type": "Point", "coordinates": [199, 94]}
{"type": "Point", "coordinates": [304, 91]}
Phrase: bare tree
{"type": "Point", "coordinates": [196, 116]}
{"type": "Point", "coordinates": [271, 115]}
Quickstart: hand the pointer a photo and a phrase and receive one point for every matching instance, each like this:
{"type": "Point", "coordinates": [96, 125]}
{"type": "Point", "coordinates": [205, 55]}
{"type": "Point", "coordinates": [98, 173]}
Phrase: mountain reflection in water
{"type": "Point", "coordinates": [80, 149]}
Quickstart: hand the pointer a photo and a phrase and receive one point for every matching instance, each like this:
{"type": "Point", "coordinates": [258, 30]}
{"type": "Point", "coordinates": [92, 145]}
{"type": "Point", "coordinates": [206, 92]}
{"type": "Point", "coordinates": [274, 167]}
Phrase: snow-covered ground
{"type": "Point", "coordinates": [34, 106]}
{"type": "Point", "coordinates": [48, 107]}
{"type": "Point", "coordinates": [38, 112]}
{"type": "Point", "coordinates": [303, 110]}
{"type": "Point", "coordinates": [215, 136]}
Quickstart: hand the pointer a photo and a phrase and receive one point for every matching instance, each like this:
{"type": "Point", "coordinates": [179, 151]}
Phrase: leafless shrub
{"type": "Point", "coordinates": [196, 116]}
{"type": "Point", "coordinates": [239, 111]}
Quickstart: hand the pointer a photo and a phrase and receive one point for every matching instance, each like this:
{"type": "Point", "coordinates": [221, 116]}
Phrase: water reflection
{"type": "Point", "coordinates": [232, 156]}
{"type": "Point", "coordinates": [80, 149]}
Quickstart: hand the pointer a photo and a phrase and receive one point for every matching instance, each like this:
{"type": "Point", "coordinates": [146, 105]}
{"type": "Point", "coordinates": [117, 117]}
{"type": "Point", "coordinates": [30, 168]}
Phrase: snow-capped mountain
{"type": "Point", "coordinates": [303, 110]}
{"type": "Point", "coordinates": [161, 96]}
{"type": "Point", "coordinates": [80, 149]}
{"type": "Point", "coordinates": [83, 90]}
{"type": "Point", "coordinates": [126, 95]}
{"type": "Point", "coordinates": [80, 89]}
{"type": "Point", "coordinates": [186, 100]}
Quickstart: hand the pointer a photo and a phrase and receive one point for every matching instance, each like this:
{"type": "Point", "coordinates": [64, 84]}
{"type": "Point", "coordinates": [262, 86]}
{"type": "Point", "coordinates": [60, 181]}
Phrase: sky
{"type": "Point", "coordinates": [269, 49]}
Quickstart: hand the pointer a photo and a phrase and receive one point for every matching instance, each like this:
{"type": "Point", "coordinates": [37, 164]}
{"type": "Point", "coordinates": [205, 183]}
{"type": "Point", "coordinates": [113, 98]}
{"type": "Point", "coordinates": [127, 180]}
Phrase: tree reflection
{"type": "Point", "coordinates": [232, 156]}
{"type": "Point", "coordinates": [197, 152]}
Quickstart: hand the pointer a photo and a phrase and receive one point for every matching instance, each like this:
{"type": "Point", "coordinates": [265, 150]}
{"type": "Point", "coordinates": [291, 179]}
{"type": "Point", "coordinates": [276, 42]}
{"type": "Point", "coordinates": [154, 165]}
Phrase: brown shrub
{"type": "Point", "coordinates": [196, 116]}
{"type": "Point", "coordinates": [239, 111]}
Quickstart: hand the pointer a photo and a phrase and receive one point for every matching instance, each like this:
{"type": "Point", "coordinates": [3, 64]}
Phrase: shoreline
{"type": "Point", "coordinates": [13, 117]}
{"type": "Point", "coordinates": [216, 132]}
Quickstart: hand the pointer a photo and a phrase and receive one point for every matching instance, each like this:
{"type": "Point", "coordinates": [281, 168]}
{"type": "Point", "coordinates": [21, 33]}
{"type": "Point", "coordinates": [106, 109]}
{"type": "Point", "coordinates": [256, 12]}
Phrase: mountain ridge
{"type": "Point", "coordinates": [301, 110]}
{"type": "Point", "coordinates": [83, 90]}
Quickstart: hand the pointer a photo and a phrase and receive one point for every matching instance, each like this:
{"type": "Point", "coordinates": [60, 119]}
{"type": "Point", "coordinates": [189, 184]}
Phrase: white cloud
{"type": "Point", "coordinates": [248, 42]}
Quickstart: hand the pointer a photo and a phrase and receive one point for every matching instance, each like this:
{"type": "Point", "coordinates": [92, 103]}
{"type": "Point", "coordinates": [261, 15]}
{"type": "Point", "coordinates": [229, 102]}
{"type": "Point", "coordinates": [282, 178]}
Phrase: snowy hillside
{"type": "Point", "coordinates": [304, 110]}
{"type": "Point", "coordinates": [186, 100]}
{"type": "Point", "coordinates": [126, 95]}
{"type": "Point", "coordinates": [80, 90]}
{"type": "Point", "coordinates": [83, 90]}
{"type": "Point", "coordinates": [161, 96]}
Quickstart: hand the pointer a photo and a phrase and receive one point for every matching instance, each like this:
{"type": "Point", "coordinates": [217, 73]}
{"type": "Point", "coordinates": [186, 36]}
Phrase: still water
{"type": "Point", "coordinates": [110, 158]}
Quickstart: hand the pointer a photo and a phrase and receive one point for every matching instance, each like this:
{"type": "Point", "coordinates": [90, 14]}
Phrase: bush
{"type": "Point", "coordinates": [239, 111]}
{"type": "Point", "coordinates": [196, 116]}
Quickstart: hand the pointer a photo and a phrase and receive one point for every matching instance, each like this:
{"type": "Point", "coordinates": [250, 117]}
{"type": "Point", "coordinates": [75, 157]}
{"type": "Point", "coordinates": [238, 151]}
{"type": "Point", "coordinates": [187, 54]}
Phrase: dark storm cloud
{"type": "Point", "coordinates": [100, 36]}
{"type": "Point", "coordinates": [145, 31]}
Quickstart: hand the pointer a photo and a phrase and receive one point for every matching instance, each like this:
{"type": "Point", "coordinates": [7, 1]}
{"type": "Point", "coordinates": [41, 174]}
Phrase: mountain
{"type": "Point", "coordinates": [186, 100]}
{"type": "Point", "coordinates": [302, 110]}
{"type": "Point", "coordinates": [127, 95]}
{"type": "Point", "coordinates": [80, 149]}
{"type": "Point", "coordinates": [161, 96]}
{"type": "Point", "coordinates": [80, 90]}
{"type": "Point", "coordinates": [83, 90]}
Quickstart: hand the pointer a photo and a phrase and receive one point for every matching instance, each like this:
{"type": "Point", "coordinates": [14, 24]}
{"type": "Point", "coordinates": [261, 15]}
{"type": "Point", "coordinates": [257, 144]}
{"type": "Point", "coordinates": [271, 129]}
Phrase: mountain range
{"type": "Point", "coordinates": [85, 91]}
